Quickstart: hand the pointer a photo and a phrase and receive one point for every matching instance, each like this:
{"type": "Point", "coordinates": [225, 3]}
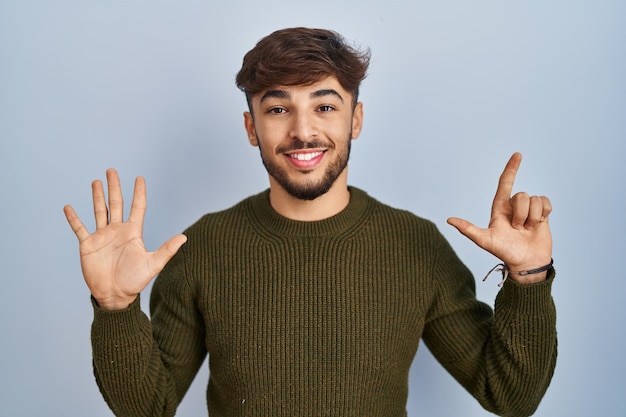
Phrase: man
{"type": "Point", "coordinates": [311, 297]}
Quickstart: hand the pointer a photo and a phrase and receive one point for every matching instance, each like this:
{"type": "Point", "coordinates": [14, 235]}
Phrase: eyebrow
{"type": "Point", "coordinates": [274, 94]}
{"type": "Point", "coordinates": [326, 92]}
{"type": "Point", "coordinates": [282, 94]}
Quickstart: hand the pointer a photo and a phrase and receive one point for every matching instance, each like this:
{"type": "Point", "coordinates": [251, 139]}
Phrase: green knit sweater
{"type": "Point", "coordinates": [320, 319]}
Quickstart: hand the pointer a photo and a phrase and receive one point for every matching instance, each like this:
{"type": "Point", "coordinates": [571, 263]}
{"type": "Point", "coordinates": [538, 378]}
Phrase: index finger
{"type": "Point", "coordinates": [507, 179]}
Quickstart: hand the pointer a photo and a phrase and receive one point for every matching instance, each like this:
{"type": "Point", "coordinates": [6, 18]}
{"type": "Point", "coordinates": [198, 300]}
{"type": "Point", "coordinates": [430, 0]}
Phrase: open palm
{"type": "Point", "coordinates": [115, 263]}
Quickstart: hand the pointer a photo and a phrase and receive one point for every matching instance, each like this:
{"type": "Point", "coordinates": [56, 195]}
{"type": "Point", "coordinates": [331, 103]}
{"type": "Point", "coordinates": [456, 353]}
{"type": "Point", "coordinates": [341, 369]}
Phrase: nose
{"type": "Point", "coordinates": [303, 126]}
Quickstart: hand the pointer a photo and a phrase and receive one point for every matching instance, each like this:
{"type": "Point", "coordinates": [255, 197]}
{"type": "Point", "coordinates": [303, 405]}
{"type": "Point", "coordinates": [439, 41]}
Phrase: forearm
{"type": "Point", "coordinates": [521, 354]}
{"type": "Point", "coordinates": [128, 366]}
{"type": "Point", "coordinates": [504, 359]}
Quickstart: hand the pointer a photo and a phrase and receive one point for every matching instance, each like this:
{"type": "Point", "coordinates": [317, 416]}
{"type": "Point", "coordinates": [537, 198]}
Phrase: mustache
{"type": "Point", "coordinates": [298, 145]}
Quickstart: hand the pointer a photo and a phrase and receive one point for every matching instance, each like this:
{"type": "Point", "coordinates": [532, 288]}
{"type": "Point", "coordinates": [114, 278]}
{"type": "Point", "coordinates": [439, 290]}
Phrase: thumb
{"type": "Point", "coordinates": [165, 252]}
{"type": "Point", "coordinates": [466, 228]}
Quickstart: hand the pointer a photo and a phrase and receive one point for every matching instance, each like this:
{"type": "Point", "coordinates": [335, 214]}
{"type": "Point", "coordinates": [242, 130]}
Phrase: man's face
{"type": "Point", "coordinates": [304, 135]}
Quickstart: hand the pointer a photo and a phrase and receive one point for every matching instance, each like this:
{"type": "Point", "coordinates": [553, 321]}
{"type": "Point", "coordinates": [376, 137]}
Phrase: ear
{"type": "Point", "coordinates": [357, 120]}
{"type": "Point", "coordinates": [248, 121]}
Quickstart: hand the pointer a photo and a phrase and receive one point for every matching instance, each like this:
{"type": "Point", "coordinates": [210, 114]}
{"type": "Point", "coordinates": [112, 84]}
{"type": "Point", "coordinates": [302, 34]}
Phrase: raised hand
{"type": "Point", "coordinates": [115, 263]}
{"type": "Point", "coordinates": [518, 232]}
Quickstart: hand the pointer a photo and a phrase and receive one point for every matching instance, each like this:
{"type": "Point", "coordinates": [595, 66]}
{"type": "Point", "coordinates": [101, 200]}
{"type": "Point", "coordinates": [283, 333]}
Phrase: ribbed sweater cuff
{"type": "Point", "coordinates": [118, 324]}
{"type": "Point", "coordinates": [529, 299]}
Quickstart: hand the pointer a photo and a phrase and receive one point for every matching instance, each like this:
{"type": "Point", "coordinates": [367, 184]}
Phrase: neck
{"type": "Point", "coordinates": [323, 207]}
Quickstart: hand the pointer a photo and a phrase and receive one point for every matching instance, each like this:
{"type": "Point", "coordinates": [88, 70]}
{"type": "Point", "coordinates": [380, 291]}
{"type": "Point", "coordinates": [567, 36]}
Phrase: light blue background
{"type": "Point", "coordinates": [454, 88]}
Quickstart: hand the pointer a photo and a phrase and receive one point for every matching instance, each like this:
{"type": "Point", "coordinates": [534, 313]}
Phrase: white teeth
{"type": "Point", "coordinates": [305, 156]}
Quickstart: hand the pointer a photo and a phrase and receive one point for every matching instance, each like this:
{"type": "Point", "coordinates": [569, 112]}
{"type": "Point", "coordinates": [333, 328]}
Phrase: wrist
{"type": "Point", "coordinates": [528, 265]}
{"type": "Point", "coordinates": [531, 275]}
{"type": "Point", "coordinates": [522, 276]}
{"type": "Point", "coordinates": [528, 279]}
{"type": "Point", "coordinates": [114, 303]}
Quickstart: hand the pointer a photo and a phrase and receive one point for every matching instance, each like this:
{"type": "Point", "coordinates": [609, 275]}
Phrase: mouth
{"type": "Point", "coordinates": [305, 156]}
{"type": "Point", "coordinates": [306, 159]}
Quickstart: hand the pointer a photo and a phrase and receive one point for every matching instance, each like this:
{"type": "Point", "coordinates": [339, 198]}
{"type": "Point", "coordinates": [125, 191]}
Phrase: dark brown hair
{"type": "Point", "coordinates": [302, 56]}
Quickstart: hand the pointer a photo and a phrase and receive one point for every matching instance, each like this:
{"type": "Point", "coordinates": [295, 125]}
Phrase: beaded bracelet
{"type": "Point", "coordinates": [506, 271]}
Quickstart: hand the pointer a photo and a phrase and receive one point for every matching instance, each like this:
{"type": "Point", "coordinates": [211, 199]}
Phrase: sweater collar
{"type": "Point", "coordinates": [268, 220]}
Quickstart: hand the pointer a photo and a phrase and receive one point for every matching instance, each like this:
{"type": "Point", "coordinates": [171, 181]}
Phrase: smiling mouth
{"type": "Point", "coordinates": [305, 156]}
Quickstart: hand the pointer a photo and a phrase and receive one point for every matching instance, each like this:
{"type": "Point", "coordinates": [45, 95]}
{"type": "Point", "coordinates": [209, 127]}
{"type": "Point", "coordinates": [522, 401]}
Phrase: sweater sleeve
{"type": "Point", "coordinates": [506, 358]}
{"type": "Point", "coordinates": [144, 367]}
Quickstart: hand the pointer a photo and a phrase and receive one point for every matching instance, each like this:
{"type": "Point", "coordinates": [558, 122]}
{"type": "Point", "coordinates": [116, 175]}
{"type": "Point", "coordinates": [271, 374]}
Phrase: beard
{"type": "Point", "coordinates": [308, 188]}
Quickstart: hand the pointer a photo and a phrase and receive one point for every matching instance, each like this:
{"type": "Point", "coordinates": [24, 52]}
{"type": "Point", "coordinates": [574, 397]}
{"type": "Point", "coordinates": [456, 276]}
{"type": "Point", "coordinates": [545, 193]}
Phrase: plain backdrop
{"type": "Point", "coordinates": [454, 88]}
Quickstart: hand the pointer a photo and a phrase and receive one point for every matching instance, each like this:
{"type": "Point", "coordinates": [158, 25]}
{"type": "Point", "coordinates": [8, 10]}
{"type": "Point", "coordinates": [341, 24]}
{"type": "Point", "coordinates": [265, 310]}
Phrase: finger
{"type": "Point", "coordinates": [138, 206]}
{"type": "Point", "coordinates": [99, 204]}
{"type": "Point", "coordinates": [547, 208]}
{"type": "Point", "coordinates": [520, 204]}
{"type": "Point", "coordinates": [164, 253]}
{"type": "Point", "coordinates": [77, 226]}
{"type": "Point", "coordinates": [507, 179]}
{"type": "Point", "coordinates": [116, 201]}
{"type": "Point", "coordinates": [535, 213]}
{"type": "Point", "coordinates": [469, 230]}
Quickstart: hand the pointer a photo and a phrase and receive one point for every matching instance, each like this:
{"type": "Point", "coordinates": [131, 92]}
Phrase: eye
{"type": "Point", "coordinates": [276, 110]}
{"type": "Point", "coordinates": [325, 108]}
